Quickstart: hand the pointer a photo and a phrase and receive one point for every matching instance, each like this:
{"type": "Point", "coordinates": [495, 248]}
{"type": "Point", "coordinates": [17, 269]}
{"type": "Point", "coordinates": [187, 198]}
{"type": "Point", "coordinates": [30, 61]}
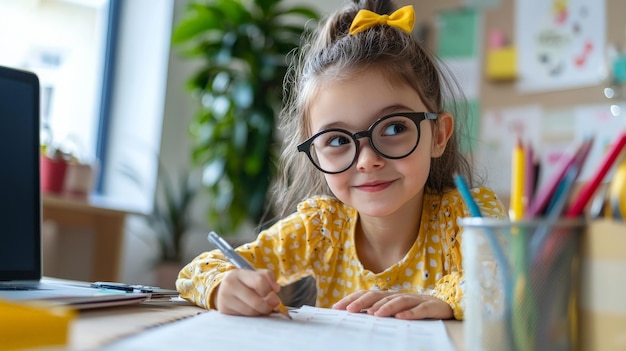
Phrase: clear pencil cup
{"type": "Point", "coordinates": [522, 283]}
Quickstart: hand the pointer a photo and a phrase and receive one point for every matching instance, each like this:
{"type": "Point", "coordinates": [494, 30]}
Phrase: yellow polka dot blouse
{"type": "Point", "coordinates": [318, 240]}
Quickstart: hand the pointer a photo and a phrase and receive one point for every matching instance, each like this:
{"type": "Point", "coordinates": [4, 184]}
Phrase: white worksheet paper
{"type": "Point", "coordinates": [311, 329]}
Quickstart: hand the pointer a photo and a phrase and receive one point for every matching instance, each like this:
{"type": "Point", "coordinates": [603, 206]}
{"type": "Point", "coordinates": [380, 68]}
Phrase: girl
{"type": "Point", "coordinates": [369, 158]}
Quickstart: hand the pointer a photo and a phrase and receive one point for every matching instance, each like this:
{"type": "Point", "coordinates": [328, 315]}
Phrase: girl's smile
{"type": "Point", "coordinates": [374, 186]}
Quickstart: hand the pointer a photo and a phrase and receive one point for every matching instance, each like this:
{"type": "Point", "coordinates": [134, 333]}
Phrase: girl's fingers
{"type": "Point", "coordinates": [238, 306]}
{"type": "Point", "coordinates": [249, 293]}
{"type": "Point", "coordinates": [408, 306]}
{"type": "Point", "coordinates": [261, 281]}
{"type": "Point", "coordinates": [343, 303]}
{"type": "Point", "coordinates": [391, 305]}
{"type": "Point", "coordinates": [378, 304]}
{"type": "Point", "coordinates": [366, 300]}
{"type": "Point", "coordinates": [431, 309]}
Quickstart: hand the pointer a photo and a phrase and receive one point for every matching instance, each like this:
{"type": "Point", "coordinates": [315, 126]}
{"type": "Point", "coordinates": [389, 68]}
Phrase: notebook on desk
{"type": "Point", "coordinates": [20, 208]}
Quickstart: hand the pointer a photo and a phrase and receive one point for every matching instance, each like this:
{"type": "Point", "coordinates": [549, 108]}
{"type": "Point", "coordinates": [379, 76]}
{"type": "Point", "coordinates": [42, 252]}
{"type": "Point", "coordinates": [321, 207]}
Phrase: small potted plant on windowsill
{"type": "Point", "coordinates": [62, 171]}
{"type": "Point", "coordinates": [53, 164]}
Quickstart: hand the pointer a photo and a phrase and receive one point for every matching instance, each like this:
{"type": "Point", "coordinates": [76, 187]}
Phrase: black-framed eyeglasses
{"type": "Point", "coordinates": [393, 136]}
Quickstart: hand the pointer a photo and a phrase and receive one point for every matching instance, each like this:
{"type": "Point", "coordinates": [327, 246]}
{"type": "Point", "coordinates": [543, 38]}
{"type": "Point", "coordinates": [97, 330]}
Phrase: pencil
{"type": "Point", "coordinates": [529, 177]}
{"type": "Point", "coordinates": [543, 242]}
{"type": "Point", "coordinates": [524, 305]}
{"type": "Point", "coordinates": [239, 262]}
{"type": "Point", "coordinates": [516, 209]}
{"type": "Point", "coordinates": [590, 188]}
{"type": "Point", "coordinates": [545, 194]}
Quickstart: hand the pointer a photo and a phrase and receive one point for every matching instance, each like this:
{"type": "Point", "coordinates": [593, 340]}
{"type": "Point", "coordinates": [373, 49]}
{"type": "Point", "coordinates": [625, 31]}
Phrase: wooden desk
{"type": "Point", "coordinates": [104, 218]}
{"type": "Point", "coordinates": [96, 328]}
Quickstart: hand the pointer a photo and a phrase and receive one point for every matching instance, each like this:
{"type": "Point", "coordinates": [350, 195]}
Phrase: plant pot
{"type": "Point", "coordinates": [79, 179]}
{"type": "Point", "coordinates": [52, 174]}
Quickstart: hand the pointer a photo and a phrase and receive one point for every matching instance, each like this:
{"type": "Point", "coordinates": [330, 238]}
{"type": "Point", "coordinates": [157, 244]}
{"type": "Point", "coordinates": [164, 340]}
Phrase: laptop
{"type": "Point", "coordinates": [20, 207]}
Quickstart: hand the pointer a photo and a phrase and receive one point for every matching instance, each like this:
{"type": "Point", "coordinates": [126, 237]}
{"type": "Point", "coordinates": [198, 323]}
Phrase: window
{"type": "Point", "coordinates": [103, 67]}
{"type": "Point", "coordinates": [63, 42]}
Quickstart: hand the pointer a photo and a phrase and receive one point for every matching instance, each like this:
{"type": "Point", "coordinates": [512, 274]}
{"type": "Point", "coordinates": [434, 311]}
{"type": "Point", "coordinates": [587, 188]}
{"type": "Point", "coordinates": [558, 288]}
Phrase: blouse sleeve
{"type": "Point", "coordinates": [450, 287]}
{"type": "Point", "coordinates": [197, 280]}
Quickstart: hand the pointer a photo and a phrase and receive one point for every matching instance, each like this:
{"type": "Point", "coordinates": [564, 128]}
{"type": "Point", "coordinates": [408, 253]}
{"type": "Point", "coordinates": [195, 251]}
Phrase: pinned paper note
{"type": "Point", "coordinates": [561, 43]}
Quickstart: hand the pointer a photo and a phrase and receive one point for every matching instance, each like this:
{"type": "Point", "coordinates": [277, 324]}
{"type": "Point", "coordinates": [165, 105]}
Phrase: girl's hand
{"type": "Point", "coordinates": [396, 304]}
{"type": "Point", "coordinates": [247, 293]}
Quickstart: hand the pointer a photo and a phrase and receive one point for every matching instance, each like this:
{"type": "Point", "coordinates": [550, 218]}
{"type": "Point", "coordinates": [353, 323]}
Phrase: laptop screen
{"type": "Point", "coordinates": [20, 196]}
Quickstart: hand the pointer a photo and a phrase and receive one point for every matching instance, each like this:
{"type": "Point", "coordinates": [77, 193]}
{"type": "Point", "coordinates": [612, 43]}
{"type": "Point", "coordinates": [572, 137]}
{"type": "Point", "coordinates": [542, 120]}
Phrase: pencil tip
{"type": "Point", "coordinates": [283, 310]}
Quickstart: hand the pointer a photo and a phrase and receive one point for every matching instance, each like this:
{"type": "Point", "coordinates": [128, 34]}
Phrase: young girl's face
{"type": "Point", "coordinates": [374, 185]}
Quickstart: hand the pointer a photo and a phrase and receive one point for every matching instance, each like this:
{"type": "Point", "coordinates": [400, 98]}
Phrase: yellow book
{"type": "Point", "coordinates": [33, 325]}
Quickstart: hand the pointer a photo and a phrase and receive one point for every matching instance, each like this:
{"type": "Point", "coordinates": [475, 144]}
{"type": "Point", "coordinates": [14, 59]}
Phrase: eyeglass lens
{"type": "Point", "coordinates": [394, 137]}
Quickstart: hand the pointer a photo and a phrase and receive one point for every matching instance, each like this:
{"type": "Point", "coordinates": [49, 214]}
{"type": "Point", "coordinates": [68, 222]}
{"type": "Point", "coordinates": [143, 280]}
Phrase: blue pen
{"type": "Point", "coordinates": [466, 194]}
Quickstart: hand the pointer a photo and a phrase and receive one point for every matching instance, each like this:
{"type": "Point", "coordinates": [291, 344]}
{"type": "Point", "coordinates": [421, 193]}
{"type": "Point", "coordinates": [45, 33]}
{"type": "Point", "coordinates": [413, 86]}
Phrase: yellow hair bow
{"type": "Point", "coordinates": [403, 18]}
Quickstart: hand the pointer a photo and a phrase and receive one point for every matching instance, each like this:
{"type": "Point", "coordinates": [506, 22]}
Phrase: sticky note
{"type": "Point", "coordinates": [502, 63]}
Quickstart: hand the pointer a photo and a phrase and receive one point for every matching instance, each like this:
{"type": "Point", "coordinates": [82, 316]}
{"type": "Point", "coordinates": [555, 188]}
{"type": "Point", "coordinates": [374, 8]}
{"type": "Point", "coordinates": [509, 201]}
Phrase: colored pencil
{"type": "Point", "coordinates": [516, 209]}
{"type": "Point", "coordinates": [590, 187]}
{"type": "Point", "coordinates": [541, 200]}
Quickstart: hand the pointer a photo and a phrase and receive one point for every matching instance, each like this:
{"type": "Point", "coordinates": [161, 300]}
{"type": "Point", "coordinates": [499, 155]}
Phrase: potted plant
{"type": "Point", "coordinates": [171, 217]}
{"type": "Point", "coordinates": [171, 220]}
{"type": "Point", "coordinates": [243, 47]}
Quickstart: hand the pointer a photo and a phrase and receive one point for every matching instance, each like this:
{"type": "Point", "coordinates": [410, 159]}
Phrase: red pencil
{"type": "Point", "coordinates": [590, 187]}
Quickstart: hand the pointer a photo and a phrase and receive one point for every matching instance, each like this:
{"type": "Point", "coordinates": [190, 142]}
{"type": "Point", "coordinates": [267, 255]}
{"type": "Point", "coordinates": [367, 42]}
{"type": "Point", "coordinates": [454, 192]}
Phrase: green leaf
{"type": "Point", "coordinates": [191, 27]}
{"type": "Point", "coordinates": [266, 5]}
{"type": "Point", "coordinates": [308, 13]}
{"type": "Point", "coordinates": [240, 135]}
{"type": "Point", "coordinates": [233, 11]}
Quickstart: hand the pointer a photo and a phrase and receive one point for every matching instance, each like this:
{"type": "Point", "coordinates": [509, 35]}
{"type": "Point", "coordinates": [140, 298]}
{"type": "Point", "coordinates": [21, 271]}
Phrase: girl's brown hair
{"type": "Point", "coordinates": [330, 54]}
